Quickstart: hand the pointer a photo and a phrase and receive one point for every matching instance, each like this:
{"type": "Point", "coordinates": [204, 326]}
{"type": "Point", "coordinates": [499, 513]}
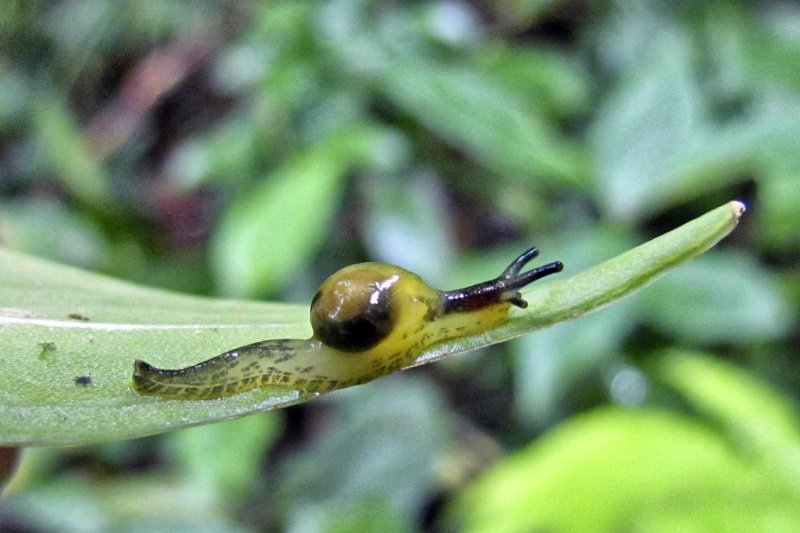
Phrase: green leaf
{"type": "Point", "coordinates": [287, 214]}
{"type": "Point", "coordinates": [659, 141]}
{"type": "Point", "coordinates": [68, 155]}
{"type": "Point", "coordinates": [722, 297]}
{"type": "Point", "coordinates": [45, 228]}
{"type": "Point", "coordinates": [756, 416]}
{"type": "Point", "coordinates": [69, 338]}
{"type": "Point", "coordinates": [779, 195]}
{"type": "Point", "coordinates": [14, 101]}
{"type": "Point", "coordinates": [383, 418]}
{"type": "Point", "coordinates": [616, 470]}
{"type": "Point", "coordinates": [70, 504]}
{"type": "Point", "coordinates": [564, 299]}
{"type": "Point", "coordinates": [480, 116]}
{"type": "Point", "coordinates": [645, 128]}
{"type": "Point", "coordinates": [557, 82]}
{"type": "Point", "coordinates": [406, 224]}
{"type": "Point", "coordinates": [221, 461]}
{"type": "Point", "coordinates": [272, 230]}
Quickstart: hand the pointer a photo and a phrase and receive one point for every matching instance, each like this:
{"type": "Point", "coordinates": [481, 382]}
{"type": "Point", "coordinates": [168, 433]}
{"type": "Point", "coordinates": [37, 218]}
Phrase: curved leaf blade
{"type": "Point", "coordinates": [68, 338]}
{"type": "Point", "coordinates": [596, 287]}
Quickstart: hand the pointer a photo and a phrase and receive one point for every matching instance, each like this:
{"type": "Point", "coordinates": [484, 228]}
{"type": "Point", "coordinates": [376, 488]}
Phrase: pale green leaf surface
{"type": "Point", "coordinates": [273, 229]}
{"type": "Point", "coordinates": [44, 349]}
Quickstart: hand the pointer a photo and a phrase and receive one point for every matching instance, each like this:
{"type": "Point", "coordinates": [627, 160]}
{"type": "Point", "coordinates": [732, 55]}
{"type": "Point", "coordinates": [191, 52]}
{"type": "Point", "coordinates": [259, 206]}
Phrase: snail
{"type": "Point", "coordinates": [368, 320]}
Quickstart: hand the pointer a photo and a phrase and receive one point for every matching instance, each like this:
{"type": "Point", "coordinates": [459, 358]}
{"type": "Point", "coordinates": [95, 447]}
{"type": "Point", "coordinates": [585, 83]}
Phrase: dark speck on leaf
{"type": "Point", "coordinates": [83, 381]}
{"type": "Point", "coordinates": [78, 316]}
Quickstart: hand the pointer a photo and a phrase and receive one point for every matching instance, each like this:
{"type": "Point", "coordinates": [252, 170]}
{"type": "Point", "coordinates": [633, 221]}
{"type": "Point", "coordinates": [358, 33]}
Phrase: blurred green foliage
{"type": "Point", "coordinates": [250, 149]}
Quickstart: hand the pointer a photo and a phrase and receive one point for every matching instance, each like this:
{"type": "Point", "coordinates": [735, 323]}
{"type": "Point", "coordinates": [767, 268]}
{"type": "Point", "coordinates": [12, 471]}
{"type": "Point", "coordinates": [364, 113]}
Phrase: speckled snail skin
{"type": "Point", "coordinates": [369, 320]}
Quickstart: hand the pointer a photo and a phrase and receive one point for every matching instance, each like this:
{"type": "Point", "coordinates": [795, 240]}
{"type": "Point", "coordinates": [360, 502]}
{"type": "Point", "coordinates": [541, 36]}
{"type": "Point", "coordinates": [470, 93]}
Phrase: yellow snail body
{"type": "Point", "coordinates": [369, 320]}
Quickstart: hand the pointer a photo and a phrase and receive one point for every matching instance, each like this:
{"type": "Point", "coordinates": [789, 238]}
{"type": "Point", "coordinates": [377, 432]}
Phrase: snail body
{"type": "Point", "coordinates": [368, 320]}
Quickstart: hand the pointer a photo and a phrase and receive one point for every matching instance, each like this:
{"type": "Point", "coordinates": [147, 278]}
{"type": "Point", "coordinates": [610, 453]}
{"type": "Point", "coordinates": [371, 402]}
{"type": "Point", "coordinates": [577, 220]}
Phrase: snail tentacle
{"type": "Point", "coordinates": [504, 288]}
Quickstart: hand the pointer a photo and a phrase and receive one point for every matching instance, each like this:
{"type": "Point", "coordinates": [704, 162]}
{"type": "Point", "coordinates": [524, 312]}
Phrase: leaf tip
{"type": "Point", "coordinates": [738, 208]}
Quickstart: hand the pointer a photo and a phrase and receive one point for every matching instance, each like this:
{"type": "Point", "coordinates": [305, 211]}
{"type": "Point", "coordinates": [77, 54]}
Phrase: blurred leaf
{"type": "Point", "coordinates": [454, 23]}
{"type": "Point", "coordinates": [34, 465]}
{"type": "Point", "coordinates": [655, 141]}
{"type": "Point", "coordinates": [364, 517]}
{"type": "Point", "coordinates": [60, 506]}
{"type": "Point", "coordinates": [227, 154]}
{"type": "Point", "coordinates": [48, 229]}
{"type": "Point", "coordinates": [777, 223]}
{"type": "Point", "coordinates": [758, 418]}
{"type": "Point", "coordinates": [645, 125]}
{"type": "Point", "coordinates": [68, 155]}
{"type": "Point", "coordinates": [240, 66]}
{"type": "Point", "coordinates": [634, 33]}
{"type": "Point", "coordinates": [273, 230]}
{"type": "Point", "coordinates": [405, 428]}
{"type": "Point", "coordinates": [779, 193]}
{"type": "Point", "coordinates": [614, 470]}
{"type": "Point", "coordinates": [406, 224]}
{"type": "Point", "coordinates": [270, 232]}
{"type": "Point", "coordinates": [770, 50]}
{"type": "Point", "coordinates": [719, 298]}
{"type": "Point", "coordinates": [61, 324]}
{"type": "Point", "coordinates": [221, 461]}
{"type": "Point", "coordinates": [14, 103]}
{"type": "Point", "coordinates": [549, 363]}
{"type": "Point", "coordinates": [137, 504]}
{"type": "Point", "coordinates": [558, 83]}
{"type": "Point", "coordinates": [478, 115]}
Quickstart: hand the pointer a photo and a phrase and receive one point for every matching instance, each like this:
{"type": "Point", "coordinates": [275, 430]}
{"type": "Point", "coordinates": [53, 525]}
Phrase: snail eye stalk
{"type": "Point", "coordinates": [504, 288]}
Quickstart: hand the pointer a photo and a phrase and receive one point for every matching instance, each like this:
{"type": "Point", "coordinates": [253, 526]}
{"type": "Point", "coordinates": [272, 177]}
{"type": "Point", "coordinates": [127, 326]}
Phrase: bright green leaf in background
{"type": "Point", "coordinates": [653, 470]}
{"type": "Point", "coordinates": [257, 244]}
{"type": "Point", "coordinates": [274, 230]}
{"type": "Point", "coordinates": [763, 421]}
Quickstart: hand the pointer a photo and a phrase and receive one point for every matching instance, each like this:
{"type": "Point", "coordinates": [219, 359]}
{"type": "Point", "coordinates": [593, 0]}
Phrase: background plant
{"type": "Point", "coordinates": [173, 143]}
